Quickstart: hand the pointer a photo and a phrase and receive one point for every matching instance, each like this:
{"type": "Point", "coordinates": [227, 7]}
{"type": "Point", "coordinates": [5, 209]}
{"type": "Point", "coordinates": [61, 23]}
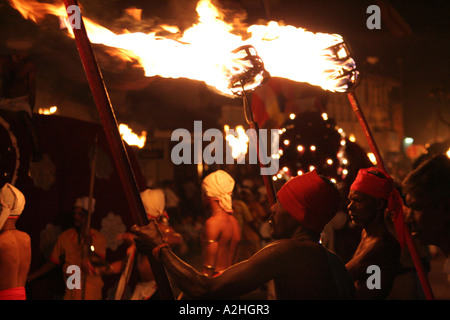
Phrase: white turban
{"type": "Point", "coordinates": [84, 203]}
{"type": "Point", "coordinates": [219, 186]}
{"type": "Point", "coordinates": [12, 203]}
{"type": "Point", "coordinates": [154, 202]}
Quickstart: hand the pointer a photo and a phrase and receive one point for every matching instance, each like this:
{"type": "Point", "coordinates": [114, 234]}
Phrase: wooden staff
{"type": "Point", "coordinates": [268, 182]}
{"type": "Point", "coordinates": [89, 217]}
{"type": "Point", "coordinates": [126, 273]}
{"type": "Point", "coordinates": [408, 239]}
{"type": "Point", "coordinates": [119, 153]}
{"type": "Point", "coordinates": [247, 76]}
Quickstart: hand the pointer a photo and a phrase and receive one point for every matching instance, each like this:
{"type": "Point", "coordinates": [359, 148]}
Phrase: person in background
{"type": "Point", "coordinates": [370, 195]}
{"type": "Point", "coordinates": [299, 265]}
{"type": "Point", "coordinates": [15, 245]}
{"type": "Point", "coordinates": [427, 194]}
{"type": "Point", "coordinates": [221, 234]}
{"type": "Point", "coordinates": [78, 247]}
{"type": "Point", "coordinates": [154, 205]}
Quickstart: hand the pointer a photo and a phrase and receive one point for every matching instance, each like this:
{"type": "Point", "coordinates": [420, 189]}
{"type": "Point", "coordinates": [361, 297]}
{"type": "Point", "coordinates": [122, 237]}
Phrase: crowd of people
{"type": "Point", "coordinates": [235, 252]}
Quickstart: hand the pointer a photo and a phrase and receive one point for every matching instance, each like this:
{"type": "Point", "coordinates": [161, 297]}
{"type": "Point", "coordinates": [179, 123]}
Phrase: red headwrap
{"type": "Point", "coordinates": [382, 188]}
{"type": "Point", "coordinates": [310, 200]}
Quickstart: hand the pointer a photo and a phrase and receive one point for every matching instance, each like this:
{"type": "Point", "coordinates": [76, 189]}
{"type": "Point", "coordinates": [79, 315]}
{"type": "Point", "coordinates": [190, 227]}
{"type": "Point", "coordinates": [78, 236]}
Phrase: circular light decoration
{"type": "Point", "coordinates": [315, 143]}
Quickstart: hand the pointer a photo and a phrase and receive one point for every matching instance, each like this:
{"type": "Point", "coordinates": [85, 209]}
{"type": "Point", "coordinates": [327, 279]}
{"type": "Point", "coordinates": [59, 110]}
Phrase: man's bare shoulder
{"type": "Point", "coordinates": [289, 246]}
{"type": "Point", "coordinates": [12, 237]}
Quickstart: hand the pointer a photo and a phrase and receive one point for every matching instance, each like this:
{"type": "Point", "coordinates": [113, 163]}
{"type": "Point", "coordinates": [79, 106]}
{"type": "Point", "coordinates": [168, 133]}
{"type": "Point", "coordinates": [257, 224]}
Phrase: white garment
{"type": "Point", "coordinates": [84, 203]}
{"type": "Point", "coordinates": [144, 290]}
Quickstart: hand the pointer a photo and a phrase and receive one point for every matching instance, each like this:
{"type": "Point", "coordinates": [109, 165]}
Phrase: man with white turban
{"type": "Point", "coordinates": [222, 233]}
{"type": "Point", "coordinates": [154, 205]}
{"type": "Point", "coordinates": [69, 251]}
{"type": "Point", "coordinates": [15, 245]}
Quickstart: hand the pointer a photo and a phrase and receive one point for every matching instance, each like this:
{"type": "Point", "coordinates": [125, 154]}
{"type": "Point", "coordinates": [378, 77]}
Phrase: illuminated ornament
{"type": "Point", "coordinates": [372, 158]}
{"type": "Point", "coordinates": [312, 141]}
{"type": "Point", "coordinates": [352, 137]}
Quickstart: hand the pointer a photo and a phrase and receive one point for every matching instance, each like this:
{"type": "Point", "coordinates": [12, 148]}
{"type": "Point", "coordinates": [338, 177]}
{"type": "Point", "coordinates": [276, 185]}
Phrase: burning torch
{"type": "Point", "coordinates": [349, 74]}
{"type": "Point", "coordinates": [248, 75]}
{"type": "Point", "coordinates": [120, 156]}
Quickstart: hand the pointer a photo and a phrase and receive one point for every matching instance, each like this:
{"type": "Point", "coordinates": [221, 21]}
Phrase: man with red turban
{"type": "Point", "coordinates": [373, 199]}
{"type": "Point", "coordinates": [299, 265]}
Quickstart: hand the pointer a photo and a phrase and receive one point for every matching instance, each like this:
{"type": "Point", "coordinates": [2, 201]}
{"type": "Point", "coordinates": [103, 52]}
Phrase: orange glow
{"type": "Point", "coordinates": [132, 138]}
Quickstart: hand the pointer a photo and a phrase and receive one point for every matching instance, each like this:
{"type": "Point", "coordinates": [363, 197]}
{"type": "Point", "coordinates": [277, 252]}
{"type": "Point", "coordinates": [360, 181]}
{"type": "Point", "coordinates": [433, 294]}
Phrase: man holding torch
{"type": "Point", "coordinates": [68, 251]}
{"type": "Point", "coordinates": [371, 194]}
{"type": "Point", "coordinates": [299, 265]}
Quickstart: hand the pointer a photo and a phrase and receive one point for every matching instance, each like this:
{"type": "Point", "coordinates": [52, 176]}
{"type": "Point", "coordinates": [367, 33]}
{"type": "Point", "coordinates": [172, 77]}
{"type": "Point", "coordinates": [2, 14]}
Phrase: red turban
{"type": "Point", "coordinates": [310, 200]}
{"type": "Point", "coordinates": [369, 183]}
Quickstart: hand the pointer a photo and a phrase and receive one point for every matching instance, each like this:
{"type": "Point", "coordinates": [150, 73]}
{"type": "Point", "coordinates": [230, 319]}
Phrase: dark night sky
{"type": "Point", "coordinates": [420, 59]}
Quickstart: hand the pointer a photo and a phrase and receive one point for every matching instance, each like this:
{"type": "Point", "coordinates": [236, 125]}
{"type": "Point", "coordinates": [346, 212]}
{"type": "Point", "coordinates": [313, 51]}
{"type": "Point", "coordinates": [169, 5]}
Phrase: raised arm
{"type": "Point", "coordinates": [234, 281]}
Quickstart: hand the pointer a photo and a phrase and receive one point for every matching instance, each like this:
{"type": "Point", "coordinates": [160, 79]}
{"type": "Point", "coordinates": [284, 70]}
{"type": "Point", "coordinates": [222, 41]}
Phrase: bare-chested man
{"type": "Point", "coordinates": [15, 246]}
{"type": "Point", "coordinates": [369, 196]}
{"type": "Point", "coordinates": [299, 265]}
{"type": "Point", "coordinates": [222, 233]}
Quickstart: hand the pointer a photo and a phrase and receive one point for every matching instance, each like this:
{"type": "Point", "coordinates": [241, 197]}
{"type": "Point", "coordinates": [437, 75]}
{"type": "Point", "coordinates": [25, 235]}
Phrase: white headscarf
{"type": "Point", "coordinates": [219, 185]}
{"type": "Point", "coordinates": [154, 202]}
{"type": "Point", "coordinates": [84, 203]}
{"type": "Point", "coordinates": [12, 203]}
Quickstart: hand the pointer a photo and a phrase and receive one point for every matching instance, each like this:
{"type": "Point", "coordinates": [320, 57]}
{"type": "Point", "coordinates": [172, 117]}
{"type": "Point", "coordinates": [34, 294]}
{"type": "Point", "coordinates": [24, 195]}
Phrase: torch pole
{"type": "Point", "coordinates": [117, 147]}
{"type": "Point", "coordinates": [89, 217]}
{"type": "Point", "coordinates": [268, 182]}
{"type": "Point", "coordinates": [408, 239]}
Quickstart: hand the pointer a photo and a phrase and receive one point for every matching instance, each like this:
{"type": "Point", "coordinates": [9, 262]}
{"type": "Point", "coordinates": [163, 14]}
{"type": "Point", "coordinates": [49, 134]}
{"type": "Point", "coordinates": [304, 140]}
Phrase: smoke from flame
{"type": "Point", "coordinates": [203, 51]}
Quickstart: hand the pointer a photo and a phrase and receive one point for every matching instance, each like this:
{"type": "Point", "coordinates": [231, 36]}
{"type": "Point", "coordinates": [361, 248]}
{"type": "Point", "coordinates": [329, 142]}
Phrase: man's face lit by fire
{"type": "Point", "coordinates": [363, 208]}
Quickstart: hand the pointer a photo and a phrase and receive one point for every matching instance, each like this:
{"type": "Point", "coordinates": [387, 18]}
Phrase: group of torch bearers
{"type": "Point", "coordinates": [299, 265]}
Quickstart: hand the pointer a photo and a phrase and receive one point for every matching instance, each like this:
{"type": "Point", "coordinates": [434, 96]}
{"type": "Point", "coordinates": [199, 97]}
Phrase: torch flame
{"type": "Point", "coordinates": [132, 138]}
{"type": "Point", "coordinates": [239, 143]}
{"type": "Point", "coordinates": [203, 52]}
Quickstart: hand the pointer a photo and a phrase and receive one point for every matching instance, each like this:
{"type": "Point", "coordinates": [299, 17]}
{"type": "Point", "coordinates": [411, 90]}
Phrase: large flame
{"type": "Point", "coordinates": [203, 52]}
